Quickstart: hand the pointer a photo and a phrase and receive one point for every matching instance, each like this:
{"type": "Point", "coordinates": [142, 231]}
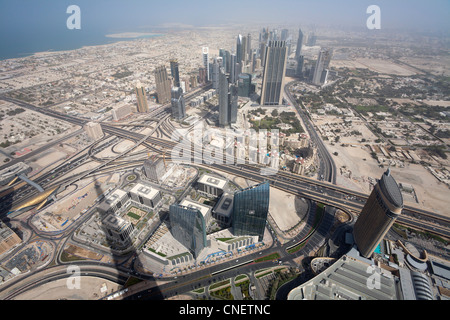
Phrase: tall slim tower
{"type": "Point", "coordinates": [142, 105]}
{"type": "Point", "coordinates": [178, 103]}
{"type": "Point", "coordinates": [205, 53]}
{"type": "Point", "coordinates": [218, 61]}
{"type": "Point", "coordinates": [233, 75]}
{"type": "Point", "coordinates": [163, 84]}
{"type": "Point", "coordinates": [239, 57]}
{"type": "Point", "coordinates": [274, 71]}
{"type": "Point", "coordinates": [322, 63]}
{"type": "Point", "coordinates": [175, 72]}
{"type": "Point", "coordinates": [223, 98]}
{"type": "Point", "coordinates": [298, 51]}
{"type": "Point", "coordinates": [382, 208]}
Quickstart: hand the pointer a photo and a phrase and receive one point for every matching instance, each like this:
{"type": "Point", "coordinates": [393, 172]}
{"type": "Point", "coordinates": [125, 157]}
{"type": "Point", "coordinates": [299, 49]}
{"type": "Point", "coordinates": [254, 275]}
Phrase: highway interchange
{"type": "Point", "coordinates": [324, 191]}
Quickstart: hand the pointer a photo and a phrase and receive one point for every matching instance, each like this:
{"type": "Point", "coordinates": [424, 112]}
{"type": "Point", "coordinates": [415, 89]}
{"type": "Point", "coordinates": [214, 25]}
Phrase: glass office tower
{"type": "Point", "coordinates": [273, 75]}
{"type": "Point", "coordinates": [250, 209]}
{"type": "Point", "coordinates": [188, 227]}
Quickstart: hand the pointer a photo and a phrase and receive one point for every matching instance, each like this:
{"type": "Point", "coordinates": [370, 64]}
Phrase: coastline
{"type": "Point", "coordinates": [108, 39]}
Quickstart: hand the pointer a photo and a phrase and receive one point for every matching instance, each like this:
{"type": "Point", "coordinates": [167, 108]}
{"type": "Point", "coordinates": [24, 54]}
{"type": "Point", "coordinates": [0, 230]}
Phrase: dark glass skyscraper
{"type": "Point", "coordinates": [178, 103]}
{"type": "Point", "coordinates": [227, 100]}
{"type": "Point", "coordinates": [250, 209]}
{"type": "Point", "coordinates": [188, 227]}
{"type": "Point", "coordinates": [175, 72]}
{"type": "Point", "coordinates": [298, 51]}
{"type": "Point", "coordinates": [274, 71]}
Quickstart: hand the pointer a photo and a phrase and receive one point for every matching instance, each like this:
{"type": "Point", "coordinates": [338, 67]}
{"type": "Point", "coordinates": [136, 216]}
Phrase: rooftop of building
{"type": "Point", "coordinates": [347, 279]}
{"type": "Point", "coordinates": [144, 191]}
{"type": "Point", "coordinates": [213, 181]}
{"type": "Point", "coordinates": [204, 209]}
{"type": "Point", "coordinates": [390, 189]}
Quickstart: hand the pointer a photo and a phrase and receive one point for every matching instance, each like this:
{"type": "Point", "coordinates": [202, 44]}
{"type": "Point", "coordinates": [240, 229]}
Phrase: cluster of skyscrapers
{"type": "Point", "coordinates": [231, 74]}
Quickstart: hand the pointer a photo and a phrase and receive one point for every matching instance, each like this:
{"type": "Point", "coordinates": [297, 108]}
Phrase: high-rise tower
{"type": "Point", "coordinates": [274, 71]}
{"type": "Point", "coordinates": [205, 53]}
{"type": "Point", "coordinates": [178, 103]}
{"type": "Point", "coordinates": [163, 85]}
{"type": "Point", "coordinates": [382, 208]}
{"type": "Point", "coordinates": [141, 97]}
{"type": "Point", "coordinates": [175, 72]}
{"type": "Point", "coordinates": [298, 51]}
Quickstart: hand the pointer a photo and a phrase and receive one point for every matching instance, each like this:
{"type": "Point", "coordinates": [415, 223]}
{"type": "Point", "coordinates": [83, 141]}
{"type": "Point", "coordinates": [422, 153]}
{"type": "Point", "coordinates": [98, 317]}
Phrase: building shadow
{"type": "Point", "coordinates": [124, 244]}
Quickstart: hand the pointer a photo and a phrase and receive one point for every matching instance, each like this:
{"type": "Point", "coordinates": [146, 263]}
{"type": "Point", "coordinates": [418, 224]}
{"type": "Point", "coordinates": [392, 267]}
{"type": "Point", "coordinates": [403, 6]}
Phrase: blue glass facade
{"type": "Point", "coordinates": [188, 227]}
{"type": "Point", "coordinates": [250, 209]}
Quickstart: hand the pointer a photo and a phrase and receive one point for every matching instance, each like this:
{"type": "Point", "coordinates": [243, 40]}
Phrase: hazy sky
{"type": "Point", "coordinates": [37, 16]}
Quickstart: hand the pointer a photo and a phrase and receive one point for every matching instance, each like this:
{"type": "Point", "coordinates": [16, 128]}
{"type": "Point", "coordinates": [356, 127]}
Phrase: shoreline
{"type": "Point", "coordinates": [110, 38]}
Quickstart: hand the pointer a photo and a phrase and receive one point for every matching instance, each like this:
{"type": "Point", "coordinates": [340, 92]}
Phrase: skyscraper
{"type": "Point", "coordinates": [233, 75]}
{"type": "Point", "coordinates": [175, 72]}
{"type": "Point", "coordinates": [178, 103]}
{"type": "Point", "coordinates": [232, 103]}
{"type": "Point", "coordinates": [239, 57]}
{"type": "Point", "coordinates": [142, 105]}
{"type": "Point", "coordinates": [298, 51]}
{"type": "Point", "coordinates": [223, 98]}
{"type": "Point", "coordinates": [322, 63]}
{"type": "Point", "coordinates": [250, 209]}
{"type": "Point", "coordinates": [205, 52]}
{"type": "Point", "coordinates": [218, 61]}
{"type": "Point", "coordinates": [299, 69]}
{"type": "Point", "coordinates": [227, 100]}
{"type": "Point", "coordinates": [162, 84]}
{"type": "Point", "coordinates": [188, 227]}
{"type": "Point", "coordinates": [382, 208]}
{"type": "Point", "coordinates": [244, 85]}
{"type": "Point", "coordinates": [274, 71]}
{"type": "Point", "coordinates": [284, 34]}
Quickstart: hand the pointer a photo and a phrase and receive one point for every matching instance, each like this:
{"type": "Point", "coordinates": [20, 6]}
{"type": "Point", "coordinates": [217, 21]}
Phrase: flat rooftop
{"type": "Point", "coordinates": [115, 197]}
{"type": "Point", "coordinates": [213, 181]}
{"type": "Point", "coordinates": [204, 209]}
{"type": "Point", "coordinates": [144, 191]}
{"type": "Point", "coordinates": [225, 205]}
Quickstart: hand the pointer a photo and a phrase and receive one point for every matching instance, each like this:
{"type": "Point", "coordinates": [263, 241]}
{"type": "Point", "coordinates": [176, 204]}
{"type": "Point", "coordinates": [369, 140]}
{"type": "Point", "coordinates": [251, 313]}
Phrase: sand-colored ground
{"type": "Point", "coordinates": [282, 209]}
{"type": "Point", "coordinates": [376, 65]}
{"type": "Point", "coordinates": [91, 288]}
{"type": "Point", "coordinates": [432, 194]}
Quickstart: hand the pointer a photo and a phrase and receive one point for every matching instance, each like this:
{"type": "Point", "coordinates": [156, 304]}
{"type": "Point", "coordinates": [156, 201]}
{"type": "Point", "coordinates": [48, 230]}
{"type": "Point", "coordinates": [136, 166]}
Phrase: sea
{"type": "Point", "coordinates": [27, 44]}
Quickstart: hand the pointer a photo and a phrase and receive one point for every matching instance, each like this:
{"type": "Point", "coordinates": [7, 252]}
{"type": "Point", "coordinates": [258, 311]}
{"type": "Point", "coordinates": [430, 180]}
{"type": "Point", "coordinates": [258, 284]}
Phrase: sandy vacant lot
{"type": "Point", "coordinates": [376, 65]}
{"type": "Point", "coordinates": [432, 194]}
{"type": "Point", "coordinates": [91, 288]}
